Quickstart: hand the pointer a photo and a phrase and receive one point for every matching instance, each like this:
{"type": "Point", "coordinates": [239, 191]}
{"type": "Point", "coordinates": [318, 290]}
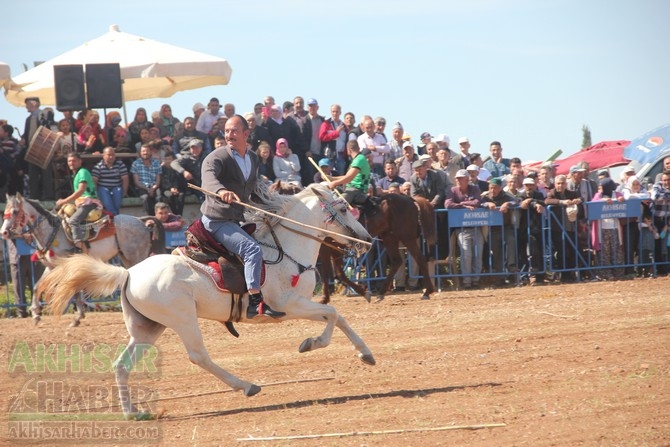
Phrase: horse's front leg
{"type": "Point", "coordinates": [306, 309]}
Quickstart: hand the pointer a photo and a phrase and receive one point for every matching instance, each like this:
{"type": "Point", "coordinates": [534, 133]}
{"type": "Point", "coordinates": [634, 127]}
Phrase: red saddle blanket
{"type": "Point", "coordinates": [204, 253]}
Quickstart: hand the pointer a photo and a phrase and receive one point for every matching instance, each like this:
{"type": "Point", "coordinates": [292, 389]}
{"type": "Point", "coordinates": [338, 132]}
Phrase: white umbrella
{"type": "Point", "coordinates": [5, 73]}
{"type": "Point", "coordinates": [149, 69]}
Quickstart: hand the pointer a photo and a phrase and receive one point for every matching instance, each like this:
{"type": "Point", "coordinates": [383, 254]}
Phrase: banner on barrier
{"type": "Point", "coordinates": [614, 210]}
{"type": "Point", "coordinates": [474, 218]}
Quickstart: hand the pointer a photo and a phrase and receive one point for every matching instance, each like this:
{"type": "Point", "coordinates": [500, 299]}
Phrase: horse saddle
{"type": "Point", "coordinates": [99, 224]}
{"type": "Point", "coordinates": [224, 268]}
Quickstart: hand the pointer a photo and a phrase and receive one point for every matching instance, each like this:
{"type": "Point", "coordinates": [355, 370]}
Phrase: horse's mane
{"type": "Point", "coordinates": [272, 201]}
{"type": "Point", "coordinates": [51, 217]}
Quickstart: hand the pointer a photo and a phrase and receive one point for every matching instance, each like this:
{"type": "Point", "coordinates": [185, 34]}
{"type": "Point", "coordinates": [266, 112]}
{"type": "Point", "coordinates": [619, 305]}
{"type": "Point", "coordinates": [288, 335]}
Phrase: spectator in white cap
{"type": "Point", "coordinates": [627, 172]}
{"type": "Point", "coordinates": [470, 239]}
{"type": "Point", "coordinates": [529, 236]}
{"type": "Point", "coordinates": [396, 142]}
{"type": "Point", "coordinates": [405, 162]}
{"type": "Point", "coordinates": [484, 174]}
{"type": "Point", "coordinates": [473, 172]}
{"type": "Point", "coordinates": [198, 108]}
{"type": "Point", "coordinates": [464, 145]}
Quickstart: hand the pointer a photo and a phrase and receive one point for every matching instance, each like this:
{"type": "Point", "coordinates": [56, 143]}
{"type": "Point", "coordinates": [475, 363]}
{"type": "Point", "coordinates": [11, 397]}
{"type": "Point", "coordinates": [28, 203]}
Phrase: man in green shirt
{"type": "Point", "coordinates": [357, 177]}
{"type": "Point", "coordinates": [84, 197]}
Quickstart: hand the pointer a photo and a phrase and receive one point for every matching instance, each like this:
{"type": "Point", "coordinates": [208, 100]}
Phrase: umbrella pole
{"type": "Point", "coordinates": [123, 105]}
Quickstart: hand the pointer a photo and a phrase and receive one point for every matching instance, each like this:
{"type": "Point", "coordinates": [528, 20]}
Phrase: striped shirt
{"type": "Point", "coordinates": [109, 177]}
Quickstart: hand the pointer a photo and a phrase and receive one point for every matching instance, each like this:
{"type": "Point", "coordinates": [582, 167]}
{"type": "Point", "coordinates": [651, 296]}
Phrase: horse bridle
{"type": "Point", "coordinates": [333, 215]}
{"type": "Point", "coordinates": [24, 224]}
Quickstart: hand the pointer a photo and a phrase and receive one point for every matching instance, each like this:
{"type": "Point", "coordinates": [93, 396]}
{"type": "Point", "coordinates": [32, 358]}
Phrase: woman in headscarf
{"type": "Point", "coordinates": [285, 164]}
{"type": "Point", "coordinates": [167, 123]}
{"type": "Point", "coordinates": [139, 122]}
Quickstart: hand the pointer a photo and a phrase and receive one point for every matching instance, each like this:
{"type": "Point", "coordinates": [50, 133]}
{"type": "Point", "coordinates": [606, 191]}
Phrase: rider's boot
{"type": "Point", "coordinates": [258, 307]}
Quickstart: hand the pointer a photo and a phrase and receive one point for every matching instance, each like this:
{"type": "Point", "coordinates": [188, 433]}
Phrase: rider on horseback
{"type": "Point", "coordinates": [231, 172]}
{"type": "Point", "coordinates": [84, 197]}
{"type": "Point", "coordinates": [357, 177]}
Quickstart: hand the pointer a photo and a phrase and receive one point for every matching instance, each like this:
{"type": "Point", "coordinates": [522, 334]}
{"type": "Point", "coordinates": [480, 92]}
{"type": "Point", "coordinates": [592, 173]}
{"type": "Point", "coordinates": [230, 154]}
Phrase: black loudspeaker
{"type": "Point", "coordinates": [69, 84]}
{"type": "Point", "coordinates": [103, 86]}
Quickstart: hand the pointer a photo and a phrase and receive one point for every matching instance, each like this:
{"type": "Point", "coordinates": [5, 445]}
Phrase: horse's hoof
{"type": "Point", "coordinates": [36, 320]}
{"type": "Point", "coordinates": [368, 296]}
{"type": "Point", "coordinates": [379, 299]}
{"type": "Point", "coordinates": [305, 345]}
{"type": "Point", "coordinates": [252, 391]}
{"type": "Point", "coordinates": [75, 323]}
{"type": "Point", "coordinates": [368, 359]}
{"type": "Point", "coordinates": [425, 296]}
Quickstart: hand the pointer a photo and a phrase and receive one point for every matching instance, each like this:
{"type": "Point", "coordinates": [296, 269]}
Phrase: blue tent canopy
{"type": "Point", "coordinates": [650, 146]}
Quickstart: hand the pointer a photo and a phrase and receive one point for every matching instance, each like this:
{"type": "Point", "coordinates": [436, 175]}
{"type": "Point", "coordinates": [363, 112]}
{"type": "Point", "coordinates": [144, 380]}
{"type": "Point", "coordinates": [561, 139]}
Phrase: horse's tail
{"type": "Point", "coordinates": [79, 273]}
{"type": "Point", "coordinates": [427, 219]}
{"type": "Point", "coordinates": [157, 235]}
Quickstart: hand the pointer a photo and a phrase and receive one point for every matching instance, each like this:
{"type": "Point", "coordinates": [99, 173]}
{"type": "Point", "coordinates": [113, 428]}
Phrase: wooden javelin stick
{"type": "Point", "coordinates": [326, 178]}
{"type": "Point", "coordinates": [295, 222]}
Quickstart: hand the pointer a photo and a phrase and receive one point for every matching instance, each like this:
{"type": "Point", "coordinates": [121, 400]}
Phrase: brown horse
{"type": "Point", "coordinates": [394, 219]}
{"type": "Point", "coordinates": [397, 219]}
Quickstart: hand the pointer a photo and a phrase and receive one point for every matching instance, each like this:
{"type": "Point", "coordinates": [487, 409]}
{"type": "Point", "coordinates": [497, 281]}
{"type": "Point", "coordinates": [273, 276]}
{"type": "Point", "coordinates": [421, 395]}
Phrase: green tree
{"type": "Point", "coordinates": [586, 136]}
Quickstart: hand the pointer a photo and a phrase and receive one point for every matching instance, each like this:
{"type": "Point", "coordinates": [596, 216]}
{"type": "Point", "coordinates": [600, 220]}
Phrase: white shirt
{"type": "Point", "coordinates": [381, 146]}
{"type": "Point", "coordinates": [206, 121]}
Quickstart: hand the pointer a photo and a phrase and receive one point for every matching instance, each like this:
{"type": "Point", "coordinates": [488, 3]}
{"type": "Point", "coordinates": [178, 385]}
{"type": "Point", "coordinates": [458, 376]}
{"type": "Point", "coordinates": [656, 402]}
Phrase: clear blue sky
{"type": "Point", "coordinates": [527, 73]}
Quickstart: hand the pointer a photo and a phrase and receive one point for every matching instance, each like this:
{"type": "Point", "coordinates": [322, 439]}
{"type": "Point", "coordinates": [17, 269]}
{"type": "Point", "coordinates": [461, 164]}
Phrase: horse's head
{"type": "Point", "coordinates": [14, 218]}
{"type": "Point", "coordinates": [339, 219]}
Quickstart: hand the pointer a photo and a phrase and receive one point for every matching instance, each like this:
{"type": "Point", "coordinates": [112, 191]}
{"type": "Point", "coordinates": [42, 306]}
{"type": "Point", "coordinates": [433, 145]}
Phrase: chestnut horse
{"type": "Point", "coordinates": [394, 219]}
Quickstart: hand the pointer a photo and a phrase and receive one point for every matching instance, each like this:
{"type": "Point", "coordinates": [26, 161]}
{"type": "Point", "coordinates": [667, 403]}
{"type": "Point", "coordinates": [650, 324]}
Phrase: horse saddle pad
{"type": "Point", "coordinates": [204, 253]}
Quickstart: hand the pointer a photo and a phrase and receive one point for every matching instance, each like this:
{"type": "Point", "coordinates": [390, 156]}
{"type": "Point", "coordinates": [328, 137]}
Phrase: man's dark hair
{"type": "Point", "coordinates": [495, 142]}
{"type": "Point", "coordinates": [245, 125]}
{"type": "Point", "coordinates": [515, 160]}
{"type": "Point", "coordinates": [474, 156]}
{"type": "Point", "coordinates": [9, 130]}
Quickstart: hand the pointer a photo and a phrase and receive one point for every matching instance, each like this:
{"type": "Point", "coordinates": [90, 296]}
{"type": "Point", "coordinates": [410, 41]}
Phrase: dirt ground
{"type": "Point", "coordinates": [568, 365]}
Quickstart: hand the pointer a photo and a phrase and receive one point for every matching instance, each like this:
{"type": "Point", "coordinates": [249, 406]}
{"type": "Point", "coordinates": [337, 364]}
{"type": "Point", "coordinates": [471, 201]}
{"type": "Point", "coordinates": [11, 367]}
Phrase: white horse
{"type": "Point", "coordinates": [132, 242]}
{"type": "Point", "coordinates": [167, 291]}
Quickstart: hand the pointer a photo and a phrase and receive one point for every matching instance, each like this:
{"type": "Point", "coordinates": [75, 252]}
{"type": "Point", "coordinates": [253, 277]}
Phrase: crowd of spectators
{"type": "Point", "coordinates": [163, 153]}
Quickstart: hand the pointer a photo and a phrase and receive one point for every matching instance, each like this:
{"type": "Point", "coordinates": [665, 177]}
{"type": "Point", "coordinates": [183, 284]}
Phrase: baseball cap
{"type": "Point", "coordinates": [198, 106]}
{"type": "Point", "coordinates": [407, 144]}
{"type": "Point", "coordinates": [426, 135]}
{"type": "Point", "coordinates": [425, 157]}
{"type": "Point", "coordinates": [495, 181]}
{"type": "Point", "coordinates": [629, 169]}
{"type": "Point", "coordinates": [443, 137]}
{"type": "Point", "coordinates": [312, 102]}
{"type": "Point", "coordinates": [463, 140]}
{"type": "Point", "coordinates": [324, 162]}
{"type": "Point", "coordinates": [472, 168]}
{"type": "Point", "coordinates": [417, 164]}
{"type": "Point", "coordinates": [195, 142]}
{"type": "Point", "coordinates": [462, 173]}
{"type": "Point", "coordinates": [528, 181]}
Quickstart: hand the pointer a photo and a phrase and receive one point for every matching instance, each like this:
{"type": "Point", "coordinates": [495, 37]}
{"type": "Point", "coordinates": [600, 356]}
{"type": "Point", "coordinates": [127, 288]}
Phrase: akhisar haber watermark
{"type": "Point", "coordinates": [76, 358]}
{"type": "Point", "coordinates": [69, 393]}
{"type": "Point", "coordinates": [82, 431]}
